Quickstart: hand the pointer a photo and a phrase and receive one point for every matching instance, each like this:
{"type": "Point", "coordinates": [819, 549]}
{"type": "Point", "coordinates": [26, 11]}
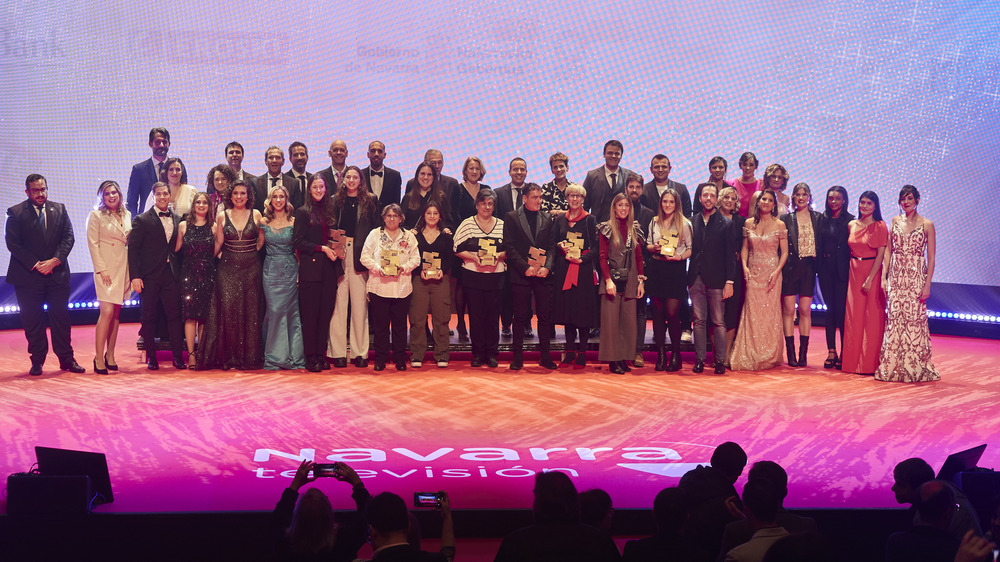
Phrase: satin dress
{"type": "Point", "coordinates": [282, 326]}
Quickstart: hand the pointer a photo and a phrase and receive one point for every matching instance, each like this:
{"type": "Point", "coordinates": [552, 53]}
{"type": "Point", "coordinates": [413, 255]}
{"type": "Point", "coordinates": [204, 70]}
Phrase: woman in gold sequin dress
{"type": "Point", "coordinates": [906, 348]}
{"type": "Point", "coordinates": [765, 249]}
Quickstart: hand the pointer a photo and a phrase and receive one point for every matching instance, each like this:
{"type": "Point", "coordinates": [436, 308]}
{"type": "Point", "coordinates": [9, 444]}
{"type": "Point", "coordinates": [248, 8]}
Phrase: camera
{"type": "Point", "coordinates": [326, 470]}
{"type": "Point", "coordinates": [427, 499]}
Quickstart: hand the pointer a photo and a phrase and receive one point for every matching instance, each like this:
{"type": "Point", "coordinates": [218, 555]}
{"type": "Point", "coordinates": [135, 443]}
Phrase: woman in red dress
{"type": "Point", "coordinates": [865, 317]}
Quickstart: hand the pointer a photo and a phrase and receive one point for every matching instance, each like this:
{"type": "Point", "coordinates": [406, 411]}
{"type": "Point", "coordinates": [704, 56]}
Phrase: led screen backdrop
{"type": "Point", "coordinates": [869, 95]}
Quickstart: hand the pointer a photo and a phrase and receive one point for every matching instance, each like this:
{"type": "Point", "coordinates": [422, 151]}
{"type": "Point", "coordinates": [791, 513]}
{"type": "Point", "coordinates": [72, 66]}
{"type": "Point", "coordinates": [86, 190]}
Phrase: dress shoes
{"type": "Point", "coordinates": [517, 364]}
{"type": "Point", "coordinates": [675, 362]}
{"type": "Point", "coordinates": [103, 371]}
{"type": "Point", "coordinates": [340, 362]}
{"type": "Point", "coordinates": [72, 366]}
{"type": "Point", "coordinates": [36, 369]}
{"type": "Point", "coordinates": [109, 366]}
{"type": "Point", "coordinates": [324, 364]}
{"type": "Point", "coordinates": [625, 367]}
{"type": "Point", "coordinates": [360, 362]}
{"type": "Point", "coordinates": [313, 366]}
{"type": "Point", "coordinates": [476, 362]}
{"type": "Point", "coordinates": [720, 368]}
{"type": "Point", "coordinates": [400, 365]}
{"type": "Point", "coordinates": [152, 364]}
{"type": "Point", "coordinates": [616, 368]}
{"type": "Point", "coordinates": [463, 337]}
{"type": "Point", "coordinates": [505, 332]}
{"type": "Point", "coordinates": [528, 333]}
{"type": "Point", "coordinates": [180, 364]}
{"type": "Point", "coordinates": [547, 364]}
{"type": "Point", "coordinates": [492, 363]}
{"type": "Point", "coordinates": [699, 366]}
{"type": "Point", "coordinates": [380, 365]}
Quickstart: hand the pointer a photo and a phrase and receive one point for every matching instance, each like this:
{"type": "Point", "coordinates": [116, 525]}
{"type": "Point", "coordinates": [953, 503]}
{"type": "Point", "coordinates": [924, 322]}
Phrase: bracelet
{"type": "Point", "coordinates": [642, 278]}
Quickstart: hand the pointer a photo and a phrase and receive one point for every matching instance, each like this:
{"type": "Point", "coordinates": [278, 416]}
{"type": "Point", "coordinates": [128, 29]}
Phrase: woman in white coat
{"type": "Point", "coordinates": [107, 233]}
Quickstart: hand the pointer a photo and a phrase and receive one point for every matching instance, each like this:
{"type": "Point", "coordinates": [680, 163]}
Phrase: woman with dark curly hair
{"type": "Point", "coordinates": [217, 184]}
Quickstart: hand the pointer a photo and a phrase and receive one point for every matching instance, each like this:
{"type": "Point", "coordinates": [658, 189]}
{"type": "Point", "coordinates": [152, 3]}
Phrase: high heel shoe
{"type": "Point", "coordinates": [99, 371]}
{"type": "Point", "coordinates": [107, 365]}
{"type": "Point", "coordinates": [831, 360]}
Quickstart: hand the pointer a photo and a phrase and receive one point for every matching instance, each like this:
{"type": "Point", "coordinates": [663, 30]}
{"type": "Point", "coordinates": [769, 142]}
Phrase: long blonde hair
{"type": "Point", "coordinates": [677, 219]}
{"type": "Point", "coordinates": [616, 236]}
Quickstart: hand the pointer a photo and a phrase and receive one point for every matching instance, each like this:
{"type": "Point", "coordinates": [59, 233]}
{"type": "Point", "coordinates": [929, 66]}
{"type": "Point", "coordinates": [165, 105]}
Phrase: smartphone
{"type": "Point", "coordinates": [426, 499]}
{"type": "Point", "coordinates": [321, 470]}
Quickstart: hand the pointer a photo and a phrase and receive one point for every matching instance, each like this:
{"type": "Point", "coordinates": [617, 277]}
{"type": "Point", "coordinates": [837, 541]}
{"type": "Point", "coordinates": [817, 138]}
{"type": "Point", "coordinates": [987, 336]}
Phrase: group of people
{"type": "Point", "coordinates": [703, 518]}
{"type": "Point", "coordinates": [294, 270]}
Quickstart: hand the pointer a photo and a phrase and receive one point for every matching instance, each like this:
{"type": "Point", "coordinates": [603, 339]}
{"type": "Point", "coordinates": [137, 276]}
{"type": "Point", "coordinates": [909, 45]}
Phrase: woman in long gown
{"type": "Point", "coordinates": [906, 348]}
{"type": "Point", "coordinates": [282, 326]}
{"type": "Point", "coordinates": [765, 248]}
{"type": "Point", "coordinates": [195, 244]}
{"type": "Point", "coordinates": [575, 302]}
{"type": "Point", "coordinates": [864, 325]}
{"type": "Point", "coordinates": [233, 329]}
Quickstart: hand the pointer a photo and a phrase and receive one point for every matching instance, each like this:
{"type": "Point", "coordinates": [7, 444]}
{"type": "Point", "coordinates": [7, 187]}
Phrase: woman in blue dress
{"type": "Point", "coordinates": [282, 327]}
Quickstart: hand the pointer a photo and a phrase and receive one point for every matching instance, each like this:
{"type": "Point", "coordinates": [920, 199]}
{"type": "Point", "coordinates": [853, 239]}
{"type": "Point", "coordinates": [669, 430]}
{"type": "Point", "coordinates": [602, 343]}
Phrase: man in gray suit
{"type": "Point", "coordinates": [651, 192]}
{"type": "Point", "coordinates": [602, 184]}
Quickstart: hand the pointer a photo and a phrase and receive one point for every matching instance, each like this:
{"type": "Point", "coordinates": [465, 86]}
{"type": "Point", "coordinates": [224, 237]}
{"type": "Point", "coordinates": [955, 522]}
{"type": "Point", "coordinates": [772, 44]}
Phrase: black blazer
{"type": "Point", "coordinates": [150, 255]}
{"type": "Point", "coordinates": [330, 179]}
{"type": "Point", "coordinates": [503, 205]}
{"type": "Point", "coordinates": [839, 263]}
{"type": "Point", "coordinates": [140, 182]}
{"type": "Point", "coordinates": [392, 185]}
{"type": "Point", "coordinates": [28, 245]}
{"type": "Point", "coordinates": [365, 223]}
{"type": "Point", "coordinates": [296, 194]}
{"type": "Point", "coordinates": [792, 225]}
{"type": "Point", "coordinates": [307, 238]}
{"type": "Point", "coordinates": [713, 252]}
{"type": "Point", "coordinates": [600, 194]}
{"type": "Point", "coordinates": [262, 184]}
{"type": "Point", "coordinates": [651, 196]}
{"type": "Point", "coordinates": [517, 239]}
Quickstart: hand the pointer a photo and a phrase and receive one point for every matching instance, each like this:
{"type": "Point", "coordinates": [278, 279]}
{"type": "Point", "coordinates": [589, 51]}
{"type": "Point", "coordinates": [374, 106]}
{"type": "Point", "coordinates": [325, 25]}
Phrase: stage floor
{"type": "Point", "coordinates": [212, 441]}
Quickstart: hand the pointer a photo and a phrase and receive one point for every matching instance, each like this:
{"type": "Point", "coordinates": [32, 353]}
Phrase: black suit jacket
{"type": "Point", "coordinates": [792, 225]}
{"type": "Point", "coordinates": [838, 265]}
{"type": "Point", "coordinates": [448, 186]}
{"type": "Point", "coordinates": [364, 225]}
{"type": "Point", "coordinates": [140, 182]}
{"type": "Point", "coordinates": [600, 194]}
{"type": "Point", "coordinates": [712, 253]}
{"type": "Point", "coordinates": [503, 205]}
{"type": "Point", "coordinates": [150, 254]}
{"type": "Point", "coordinates": [517, 240]}
{"type": "Point", "coordinates": [392, 186]}
{"type": "Point", "coordinates": [313, 263]}
{"type": "Point", "coordinates": [296, 193]}
{"type": "Point", "coordinates": [262, 184]}
{"type": "Point", "coordinates": [330, 179]}
{"type": "Point", "coordinates": [28, 245]}
{"type": "Point", "coordinates": [651, 196]}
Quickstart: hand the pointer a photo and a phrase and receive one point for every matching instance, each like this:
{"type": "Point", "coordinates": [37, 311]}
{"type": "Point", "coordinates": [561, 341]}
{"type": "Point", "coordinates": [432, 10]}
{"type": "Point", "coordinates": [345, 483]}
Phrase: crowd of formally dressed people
{"type": "Point", "coordinates": [294, 270]}
{"type": "Point", "coordinates": [701, 519]}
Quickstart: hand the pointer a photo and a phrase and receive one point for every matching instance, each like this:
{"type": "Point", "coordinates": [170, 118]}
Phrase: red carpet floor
{"type": "Point", "coordinates": [186, 441]}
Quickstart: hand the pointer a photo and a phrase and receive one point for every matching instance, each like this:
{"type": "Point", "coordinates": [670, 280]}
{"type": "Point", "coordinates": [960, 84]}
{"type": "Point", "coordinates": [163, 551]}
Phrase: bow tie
{"type": "Point", "coordinates": [378, 173]}
{"type": "Point", "coordinates": [164, 213]}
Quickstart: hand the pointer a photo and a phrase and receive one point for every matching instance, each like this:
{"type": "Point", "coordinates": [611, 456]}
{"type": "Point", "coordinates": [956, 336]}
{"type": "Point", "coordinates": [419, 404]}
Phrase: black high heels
{"type": "Point", "coordinates": [100, 371]}
{"type": "Point", "coordinates": [109, 366]}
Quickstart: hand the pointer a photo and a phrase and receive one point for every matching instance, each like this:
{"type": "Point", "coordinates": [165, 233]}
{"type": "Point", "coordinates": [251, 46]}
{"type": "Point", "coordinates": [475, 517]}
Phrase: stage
{"type": "Point", "coordinates": [222, 441]}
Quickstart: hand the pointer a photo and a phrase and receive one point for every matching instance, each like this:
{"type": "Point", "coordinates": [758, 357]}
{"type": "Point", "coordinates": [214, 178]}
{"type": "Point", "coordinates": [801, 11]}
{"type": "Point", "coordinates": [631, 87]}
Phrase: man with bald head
{"type": "Point", "coordinates": [448, 183]}
{"type": "Point", "coordinates": [333, 175]}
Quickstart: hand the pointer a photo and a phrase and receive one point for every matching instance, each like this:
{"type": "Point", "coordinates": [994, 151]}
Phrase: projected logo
{"type": "Point", "coordinates": [670, 460]}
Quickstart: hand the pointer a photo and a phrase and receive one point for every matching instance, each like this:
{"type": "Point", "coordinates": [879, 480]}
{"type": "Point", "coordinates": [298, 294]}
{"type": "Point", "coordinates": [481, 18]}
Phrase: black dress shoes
{"type": "Point", "coordinates": [505, 332]}
{"type": "Point", "coordinates": [400, 365]}
{"type": "Point", "coordinates": [152, 364]}
{"type": "Point", "coordinates": [616, 368]}
{"type": "Point", "coordinates": [36, 370]}
{"type": "Point", "coordinates": [720, 368]}
{"type": "Point", "coordinates": [324, 364]}
{"type": "Point", "coordinates": [699, 366]}
{"type": "Point", "coordinates": [340, 362]}
{"type": "Point", "coordinates": [180, 364]}
{"type": "Point", "coordinates": [547, 364]}
{"type": "Point", "coordinates": [476, 362]}
{"type": "Point", "coordinates": [312, 365]}
{"type": "Point", "coordinates": [491, 362]}
{"type": "Point", "coordinates": [379, 365]}
{"type": "Point", "coordinates": [72, 366]}
{"type": "Point", "coordinates": [360, 362]}
{"type": "Point", "coordinates": [517, 364]}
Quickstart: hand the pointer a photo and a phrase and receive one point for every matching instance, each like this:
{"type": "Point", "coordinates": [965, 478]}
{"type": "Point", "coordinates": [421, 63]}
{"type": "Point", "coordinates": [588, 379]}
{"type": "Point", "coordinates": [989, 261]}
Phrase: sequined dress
{"type": "Point", "coordinates": [197, 271]}
{"type": "Point", "coordinates": [759, 339]}
{"type": "Point", "coordinates": [906, 348]}
{"type": "Point", "coordinates": [233, 329]}
{"type": "Point", "coordinates": [282, 325]}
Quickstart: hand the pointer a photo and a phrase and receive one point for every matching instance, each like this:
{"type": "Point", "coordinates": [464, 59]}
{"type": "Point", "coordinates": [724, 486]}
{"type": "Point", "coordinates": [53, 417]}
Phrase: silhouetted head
{"type": "Point", "coordinates": [730, 459]}
{"type": "Point", "coordinates": [556, 500]}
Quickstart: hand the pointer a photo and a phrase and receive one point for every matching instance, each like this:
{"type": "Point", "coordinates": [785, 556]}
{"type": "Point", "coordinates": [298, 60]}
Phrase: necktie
{"type": "Point", "coordinates": [614, 181]}
{"type": "Point", "coordinates": [302, 184]}
{"type": "Point", "coordinates": [164, 213]}
{"type": "Point", "coordinates": [41, 217]}
{"type": "Point", "coordinates": [336, 178]}
{"type": "Point", "coordinates": [378, 173]}
{"type": "Point", "coordinates": [274, 182]}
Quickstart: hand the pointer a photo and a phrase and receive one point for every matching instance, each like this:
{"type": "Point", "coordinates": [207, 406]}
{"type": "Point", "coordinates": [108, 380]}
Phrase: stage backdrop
{"type": "Point", "coordinates": [868, 95]}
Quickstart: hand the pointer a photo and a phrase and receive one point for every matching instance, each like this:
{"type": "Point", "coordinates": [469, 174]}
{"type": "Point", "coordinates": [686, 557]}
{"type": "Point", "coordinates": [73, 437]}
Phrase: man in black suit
{"type": "Point", "coordinates": [274, 159]}
{"type": "Point", "coordinates": [389, 524]}
{"type": "Point", "coordinates": [39, 237]}
{"type": "Point", "coordinates": [526, 231]}
{"type": "Point", "coordinates": [296, 181]}
{"type": "Point", "coordinates": [448, 184]}
{"type": "Point", "coordinates": [643, 215]}
{"type": "Point", "coordinates": [155, 273]}
{"type": "Point", "coordinates": [509, 199]}
{"type": "Point", "coordinates": [711, 273]}
{"type": "Point", "coordinates": [602, 184]}
{"type": "Point", "coordinates": [334, 175]}
{"type": "Point", "coordinates": [384, 182]}
{"type": "Point", "coordinates": [651, 192]}
{"type": "Point", "coordinates": [234, 157]}
{"type": "Point", "coordinates": [146, 173]}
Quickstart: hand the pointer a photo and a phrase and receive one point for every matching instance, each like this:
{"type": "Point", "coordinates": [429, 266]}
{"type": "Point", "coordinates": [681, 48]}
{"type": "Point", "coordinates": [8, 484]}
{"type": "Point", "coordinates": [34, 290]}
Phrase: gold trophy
{"type": "Point", "coordinates": [432, 265]}
{"type": "Point", "coordinates": [338, 242]}
{"type": "Point", "coordinates": [536, 257]}
{"type": "Point", "coordinates": [668, 245]}
{"type": "Point", "coordinates": [390, 262]}
{"type": "Point", "coordinates": [487, 251]}
{"type": "Point", "coordinates": [575, 240]}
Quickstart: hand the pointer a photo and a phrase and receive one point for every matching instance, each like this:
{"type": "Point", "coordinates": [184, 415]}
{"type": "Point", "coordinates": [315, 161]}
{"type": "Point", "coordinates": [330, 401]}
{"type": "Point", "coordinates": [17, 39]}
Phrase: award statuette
{"type": "Point", "coordinates": [390, 262]}
{"type": "Point", "coordinates": [337, 242]}
{"type": "Point", "coordinates": [487, 251]}
{"type": "Point", "coordinates": [575, 240]}
{"type": "Point", "coordinates": [668, 245]}
{"type": "Point", "coordinates": [536, 257]}
{"type": "Point", "coordinates": [432, 264]}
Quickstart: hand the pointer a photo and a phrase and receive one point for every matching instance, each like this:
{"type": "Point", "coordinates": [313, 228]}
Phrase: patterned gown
{"type": "Point", "coordinates": [282, 326]}
{"type": "Point", "coordinates": [906, 348]}
{"type": "Point", "coordinates": [197, 271]}
{"type": "Point", "coordinates": [759, 340]}
{"type": "Point", "coordinates": [233, 329]}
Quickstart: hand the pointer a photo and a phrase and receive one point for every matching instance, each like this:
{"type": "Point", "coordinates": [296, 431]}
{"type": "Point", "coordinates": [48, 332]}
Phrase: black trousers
{"type": "Point", "coordinates": [484, 318]}
{"type": "Point", "coordinates": [30, 299]}
{"type": "Point", "coordinates": [316, 303]}
{"type": "Point", "coordinates": [166, 292]}
{"type": "Point", "coordinates": [835, 297]}
{"type": "Point", "coordinates": [388, 316]}
{"type": "Point", "coordinates": [541, 290]}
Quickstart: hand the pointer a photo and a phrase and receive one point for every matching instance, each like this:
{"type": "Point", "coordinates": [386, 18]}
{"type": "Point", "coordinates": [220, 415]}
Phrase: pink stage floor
{"type": "Point", "coordinates": [187, 441]}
